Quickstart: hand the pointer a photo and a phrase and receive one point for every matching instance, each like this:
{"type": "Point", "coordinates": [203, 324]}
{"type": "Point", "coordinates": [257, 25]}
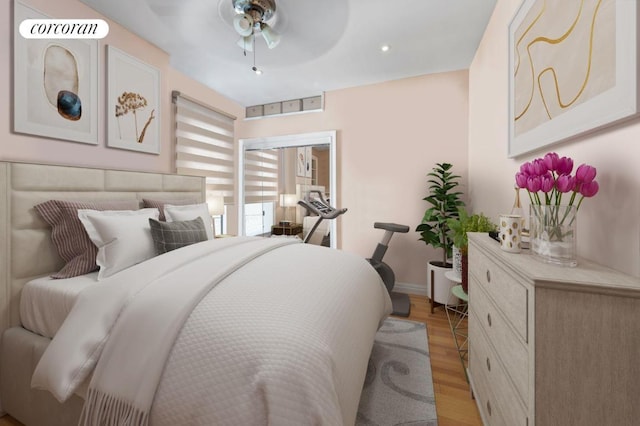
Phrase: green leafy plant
{"type": "Point", "coordinates": [464, 223]}
{"type": "Point", "coordinates": [444, 202]}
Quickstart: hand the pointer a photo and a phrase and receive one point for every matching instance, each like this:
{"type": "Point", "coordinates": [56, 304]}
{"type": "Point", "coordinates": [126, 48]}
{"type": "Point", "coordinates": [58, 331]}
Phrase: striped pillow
{"type": "Point", "coordinates": [68, 234]}
{"type": "Point", "coordinates": [159, 204]}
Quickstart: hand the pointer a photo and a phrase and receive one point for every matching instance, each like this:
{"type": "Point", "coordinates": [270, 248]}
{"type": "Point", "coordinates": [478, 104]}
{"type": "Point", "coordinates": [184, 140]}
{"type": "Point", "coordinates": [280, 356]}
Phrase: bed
{"type": "Point", "coordinates": [270, 331]}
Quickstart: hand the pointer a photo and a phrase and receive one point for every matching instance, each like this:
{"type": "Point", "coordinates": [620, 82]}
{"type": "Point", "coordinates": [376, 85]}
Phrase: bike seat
{"type": "Point", "coordinates": [393, 227]}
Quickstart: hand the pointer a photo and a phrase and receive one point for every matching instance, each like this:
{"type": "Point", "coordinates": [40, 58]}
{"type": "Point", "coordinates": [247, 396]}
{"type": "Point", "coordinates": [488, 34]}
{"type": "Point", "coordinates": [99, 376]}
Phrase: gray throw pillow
{"type": "Point", "coordinates": [169, 236]}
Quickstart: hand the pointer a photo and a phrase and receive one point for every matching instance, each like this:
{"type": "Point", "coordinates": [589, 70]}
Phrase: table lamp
{"type": "Point", "coordinates": [216, 208]}
{"type": "Point", "coordinates": [286, 201]}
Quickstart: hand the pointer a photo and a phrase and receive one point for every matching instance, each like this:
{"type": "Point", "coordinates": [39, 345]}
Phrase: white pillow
{"type": "Point", "coordinates": [190, 212]}
{"type": "Point", "coordinates": [123, 237]}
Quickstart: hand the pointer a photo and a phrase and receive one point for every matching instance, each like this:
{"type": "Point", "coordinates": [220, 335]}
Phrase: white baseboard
{"type": "Point", "coordinates": [410, 288]}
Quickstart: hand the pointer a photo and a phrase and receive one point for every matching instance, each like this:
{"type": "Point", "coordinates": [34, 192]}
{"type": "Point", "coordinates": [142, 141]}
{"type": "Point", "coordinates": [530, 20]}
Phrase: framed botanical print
{"type": "Point", "coordinates": [133, 103]}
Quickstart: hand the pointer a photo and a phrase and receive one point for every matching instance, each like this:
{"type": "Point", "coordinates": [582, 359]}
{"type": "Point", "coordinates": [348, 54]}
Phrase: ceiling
{"type": "Point", "coordinates": [326, 45]}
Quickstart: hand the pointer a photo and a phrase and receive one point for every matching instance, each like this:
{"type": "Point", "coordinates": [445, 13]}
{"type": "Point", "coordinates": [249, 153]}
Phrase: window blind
{"type": "Point", "coordinates": [205, 145]}
{"type": "Point", "coordinates": [261, 176]}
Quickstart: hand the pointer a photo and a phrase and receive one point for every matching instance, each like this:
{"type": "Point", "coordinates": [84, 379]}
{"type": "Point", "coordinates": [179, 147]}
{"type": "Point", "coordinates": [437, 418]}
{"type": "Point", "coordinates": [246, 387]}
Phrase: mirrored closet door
{"type": "Point", "coordinates": [275, 173]}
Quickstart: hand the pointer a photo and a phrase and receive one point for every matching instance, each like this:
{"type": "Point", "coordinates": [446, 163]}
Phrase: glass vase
{"type": "Point", "coordinates": [552, 230]}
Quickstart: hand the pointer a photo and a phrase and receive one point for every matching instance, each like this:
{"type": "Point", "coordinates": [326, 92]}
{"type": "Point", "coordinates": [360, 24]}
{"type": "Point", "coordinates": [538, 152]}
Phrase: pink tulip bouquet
{"type": "Point", "coordinates": [553, 190]}
{"type": "Point", "coordinates": [551, 176]}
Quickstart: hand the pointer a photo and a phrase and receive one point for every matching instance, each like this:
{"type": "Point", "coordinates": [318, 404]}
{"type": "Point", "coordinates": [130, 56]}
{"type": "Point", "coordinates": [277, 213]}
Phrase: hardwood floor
{"type": "Point", "coordinates": [8, 421]}
{"type": "Point", "coordinates": [453, 399]}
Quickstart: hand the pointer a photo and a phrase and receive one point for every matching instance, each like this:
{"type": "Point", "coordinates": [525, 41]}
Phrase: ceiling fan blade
{"type": "Point", "coordinates": [271, 37]}
{"type": "Point", "coordinates": [246, 43]}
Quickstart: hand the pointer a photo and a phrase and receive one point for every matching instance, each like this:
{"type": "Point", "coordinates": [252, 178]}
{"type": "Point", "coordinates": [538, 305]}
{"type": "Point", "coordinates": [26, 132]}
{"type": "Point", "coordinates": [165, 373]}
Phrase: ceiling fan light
{"type": "Point", "coordinates": [271, 37]}
{"type": "Point", "coordinates": [246, 43]}
{"type": "Point", "coordinates": [243, 24]}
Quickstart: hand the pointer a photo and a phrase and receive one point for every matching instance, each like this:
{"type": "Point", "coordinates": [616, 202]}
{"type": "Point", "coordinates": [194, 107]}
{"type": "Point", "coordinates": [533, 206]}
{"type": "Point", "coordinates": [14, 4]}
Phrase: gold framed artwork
{"type": "Point", "coordinates": [55, 84]}
{"type": "Point", "coordinates": [572, 69]}
{"type": "Point", "coordinates": [133, 103]}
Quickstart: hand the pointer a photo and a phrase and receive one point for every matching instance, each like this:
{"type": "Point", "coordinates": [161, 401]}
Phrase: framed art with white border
{"type": "Point", "coordinates": [301, 161]}
{"type": "Point", "coordinates": [572, 69]}
{"type": "Point", "coordinates": [307, 156]}
{"type": "Point", "coordinates": [133, 103]}
{"type": "Point", "coordinates": [55, 81]}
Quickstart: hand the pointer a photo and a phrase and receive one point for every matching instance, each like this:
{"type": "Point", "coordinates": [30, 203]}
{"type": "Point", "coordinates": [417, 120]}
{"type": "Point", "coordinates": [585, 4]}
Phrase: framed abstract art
{"type": "Point", "coordinates": [572, 69]}
{"type": "Point", "coordinates": [133, 103]}
{"type": "Point", "coordinates": [55, 84]}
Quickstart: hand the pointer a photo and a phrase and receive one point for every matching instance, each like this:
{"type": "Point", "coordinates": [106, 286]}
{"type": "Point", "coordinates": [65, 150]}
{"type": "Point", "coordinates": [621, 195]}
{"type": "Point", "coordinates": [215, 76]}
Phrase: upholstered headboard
{"type": "Point", "coordinates": [26, 250]}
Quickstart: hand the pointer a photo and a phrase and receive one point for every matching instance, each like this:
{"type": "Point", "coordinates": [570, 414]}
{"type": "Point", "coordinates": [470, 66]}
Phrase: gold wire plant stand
{"type": "Point", "coordinates": [457, 316]}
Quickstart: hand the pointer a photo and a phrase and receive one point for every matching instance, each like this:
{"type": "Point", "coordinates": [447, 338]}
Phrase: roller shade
{"type": "Point", "coordinates": [205, 145]}
{"type": "Point", "coordinates": [261, 176]}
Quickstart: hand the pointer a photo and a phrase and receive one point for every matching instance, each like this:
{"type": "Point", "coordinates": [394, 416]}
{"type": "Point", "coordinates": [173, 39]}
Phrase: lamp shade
{"type": "Point", "coordinates": [243, 24]}
{"type": "Point", "coordinates": [288, 200]}
{"type": "Point", "coordinates": [216, 204]}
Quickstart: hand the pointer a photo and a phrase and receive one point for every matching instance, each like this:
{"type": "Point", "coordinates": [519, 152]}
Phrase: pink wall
{"type": "Point", "coordinates": [390, 135]}
{"type": "Point", "coordinates": [19, 147]}
{"type": "Point", "coordinates": [609, 224]}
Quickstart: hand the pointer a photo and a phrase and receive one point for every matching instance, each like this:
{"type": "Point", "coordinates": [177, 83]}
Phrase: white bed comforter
{"type": "Point", "coordinates": [282, 339]}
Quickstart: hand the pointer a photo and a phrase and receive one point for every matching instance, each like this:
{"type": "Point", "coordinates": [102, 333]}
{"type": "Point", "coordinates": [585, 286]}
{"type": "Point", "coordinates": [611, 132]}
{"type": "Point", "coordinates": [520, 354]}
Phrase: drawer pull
{"type": "Point", "coordinates": [489, 407]}
{"type": "Point", "coordinates": [489, 319]}
{"type": "Point", "coordinates": [488, 364]}
{"type": "Point", "coordinates": [488, 276]}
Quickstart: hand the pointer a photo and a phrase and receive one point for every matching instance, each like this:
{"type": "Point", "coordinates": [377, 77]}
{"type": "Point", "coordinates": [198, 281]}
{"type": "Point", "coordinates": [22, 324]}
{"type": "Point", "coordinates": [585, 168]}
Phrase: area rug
{"type": "Point", "coordinates": [398, 388]}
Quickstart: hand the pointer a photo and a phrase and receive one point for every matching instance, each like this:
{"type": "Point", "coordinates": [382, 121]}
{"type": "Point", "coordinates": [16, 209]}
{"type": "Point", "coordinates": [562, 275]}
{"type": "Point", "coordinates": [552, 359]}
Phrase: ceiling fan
{"type": "Point", "coordinates": [250, 19]}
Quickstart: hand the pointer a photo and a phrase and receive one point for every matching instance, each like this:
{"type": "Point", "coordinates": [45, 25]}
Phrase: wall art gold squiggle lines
{"type": "Point", "coordinates": [573, 43]}
{"type": "Point", "coordinates": [544, 6]}
{"type": "Point", "coordinates": [550, 41]}
{"type": "Point", "coordinates": [555, 77]}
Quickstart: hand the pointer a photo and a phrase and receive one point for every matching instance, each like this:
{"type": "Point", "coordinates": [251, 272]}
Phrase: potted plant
{"type": "Point", "coordinates": [444, 202]}
{"type": "Point", "coordinates": [459, 227]}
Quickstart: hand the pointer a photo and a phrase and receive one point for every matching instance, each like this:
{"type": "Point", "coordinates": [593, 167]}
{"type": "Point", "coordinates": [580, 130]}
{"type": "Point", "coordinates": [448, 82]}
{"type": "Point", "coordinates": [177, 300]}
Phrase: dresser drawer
{"type": "Point", "coordinates": [505, 291]}
{"type": "Point", "coordinates": [512, 350]}
{"type": "Point", "coordinates": [485, 400]}
{"type": "Point", "coordinates": [485, 367]}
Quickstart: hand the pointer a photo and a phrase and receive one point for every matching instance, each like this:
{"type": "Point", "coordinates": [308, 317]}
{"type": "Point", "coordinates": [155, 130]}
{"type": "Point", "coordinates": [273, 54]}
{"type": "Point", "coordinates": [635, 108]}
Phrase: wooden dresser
{"type": "Point", "coordinates": [550, 345]}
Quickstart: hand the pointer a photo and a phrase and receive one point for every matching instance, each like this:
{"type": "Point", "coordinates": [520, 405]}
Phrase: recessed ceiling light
{"type": "Point", "coordinates": [385, 47]}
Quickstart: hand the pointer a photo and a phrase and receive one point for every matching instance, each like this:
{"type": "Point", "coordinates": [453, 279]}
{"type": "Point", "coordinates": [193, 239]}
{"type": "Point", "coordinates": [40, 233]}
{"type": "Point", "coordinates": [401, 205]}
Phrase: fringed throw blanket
{"type": "Point", "coordinates": [242, 332]}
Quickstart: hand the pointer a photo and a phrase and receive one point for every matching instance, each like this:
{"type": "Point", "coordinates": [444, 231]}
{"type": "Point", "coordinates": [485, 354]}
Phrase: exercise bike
{"type": "Point", "coordinates": [321, 207]}
{"type": "Point", "coordinates": [400, 301]}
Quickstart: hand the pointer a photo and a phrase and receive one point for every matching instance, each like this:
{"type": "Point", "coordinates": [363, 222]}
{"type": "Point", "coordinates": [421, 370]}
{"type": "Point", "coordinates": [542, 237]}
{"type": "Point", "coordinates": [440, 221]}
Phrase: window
{"type": "Point", "coordinates": [258, 218]}
{"type": "Point", "coordinates": [219, 223]}
{"type": "Point", "coordinates": [205, 147]}
{"type": "Point", "coordinates": [261, 176]}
